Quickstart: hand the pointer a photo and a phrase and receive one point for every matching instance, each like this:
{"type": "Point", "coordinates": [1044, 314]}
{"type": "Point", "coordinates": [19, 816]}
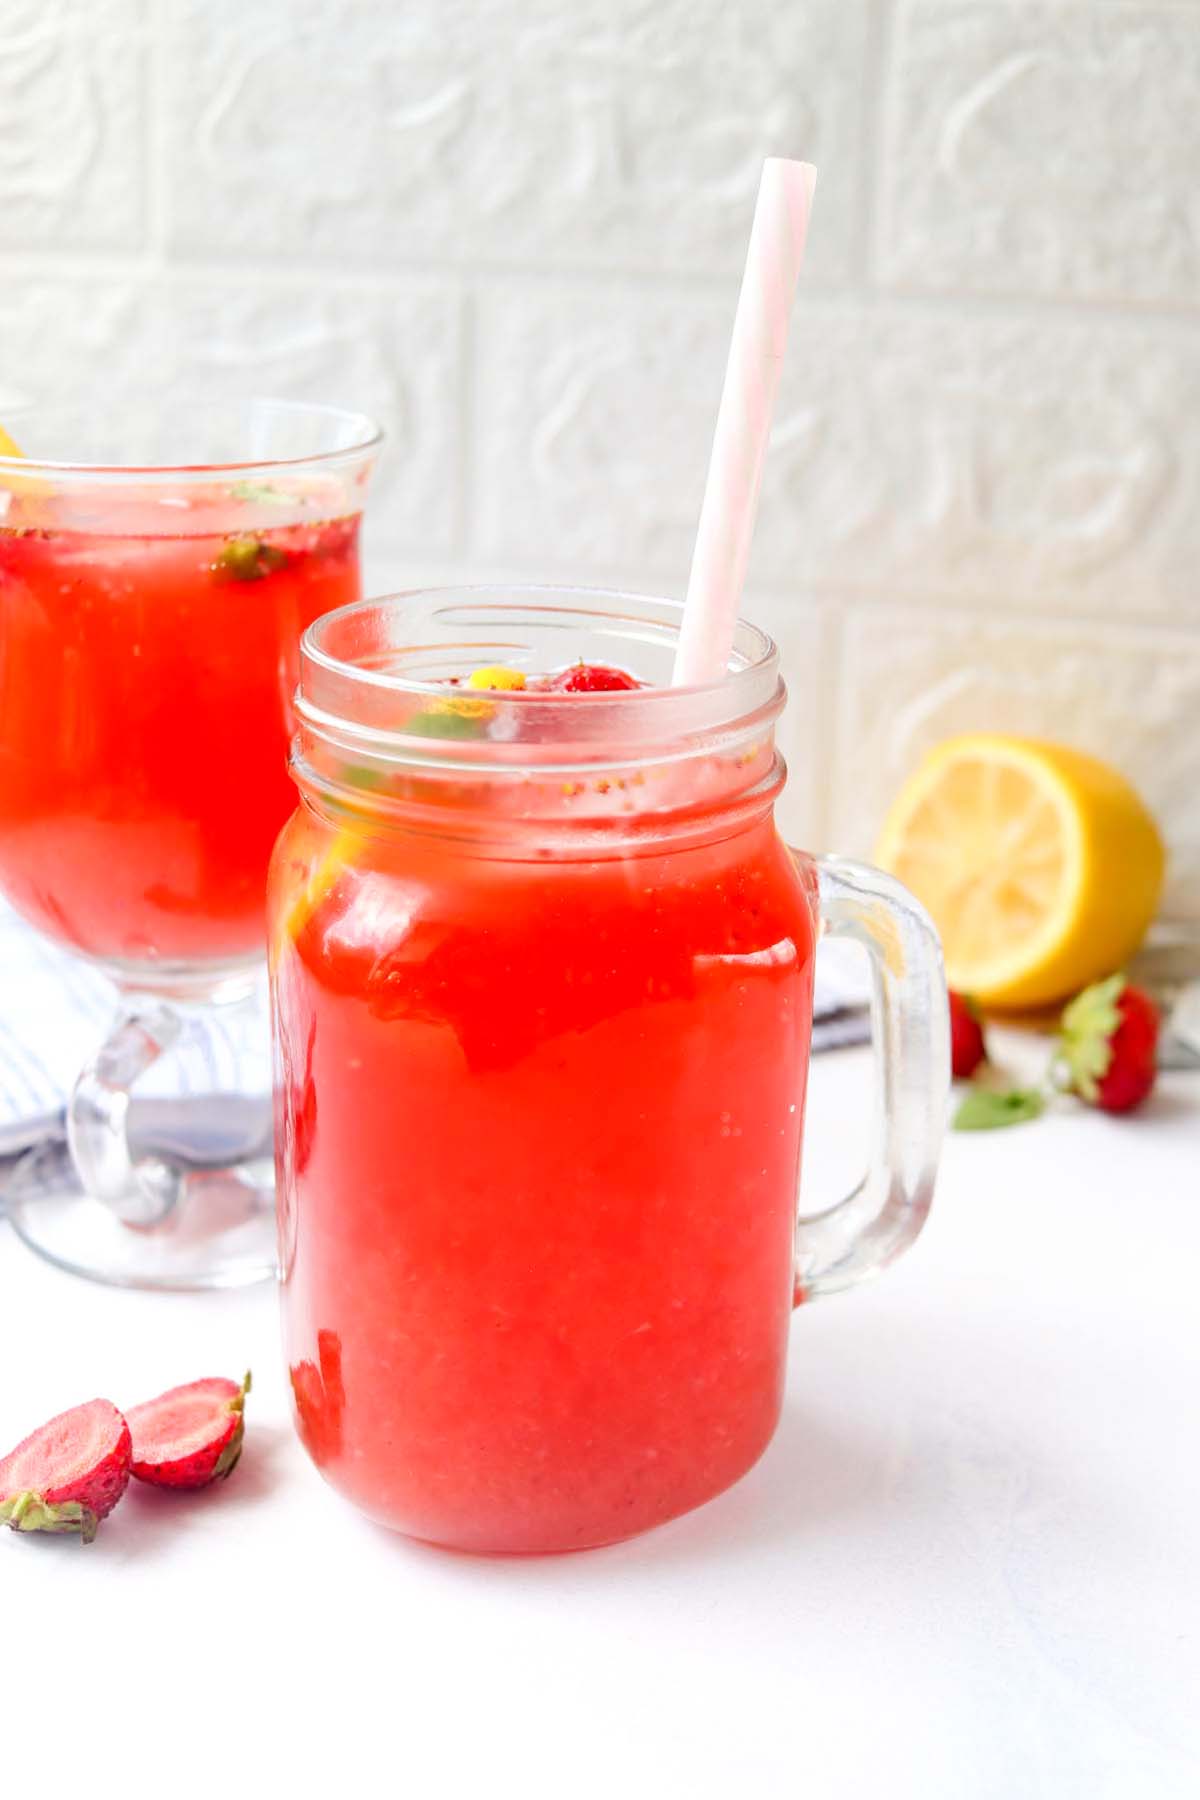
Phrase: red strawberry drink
{"type": "Point", "coordinates": [148, 624]}
{"type": "Point", "coordinates": [543, 1000]}
{"type": "Point", "coordinates": [144, 719]}
{"type": "Point", "coordinates": [150, 612]}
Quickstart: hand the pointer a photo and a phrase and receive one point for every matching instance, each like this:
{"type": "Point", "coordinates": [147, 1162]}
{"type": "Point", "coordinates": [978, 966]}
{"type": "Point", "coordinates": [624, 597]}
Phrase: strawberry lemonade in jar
{"type": "Point", "coordinates": [542, 987]}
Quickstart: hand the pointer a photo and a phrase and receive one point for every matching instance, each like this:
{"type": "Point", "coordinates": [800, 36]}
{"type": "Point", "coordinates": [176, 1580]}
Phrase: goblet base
{"type": "Point", "coordinates": [220, 1233]}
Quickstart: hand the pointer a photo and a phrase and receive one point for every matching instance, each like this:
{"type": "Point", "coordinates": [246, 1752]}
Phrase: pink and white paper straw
{"type": "Point", "coordinates": [760, 330]}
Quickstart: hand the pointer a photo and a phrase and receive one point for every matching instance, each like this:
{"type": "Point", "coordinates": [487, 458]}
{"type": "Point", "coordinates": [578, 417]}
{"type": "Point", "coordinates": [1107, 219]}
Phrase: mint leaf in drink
{"type": "Point", "coordinates": [369, 780]}
{"type": "Point", "coordinates": [985, 1110]}
{"type": "Point", "coordinates": [260, 493]}
{"type": "Point", "coordinates": [247, 558]}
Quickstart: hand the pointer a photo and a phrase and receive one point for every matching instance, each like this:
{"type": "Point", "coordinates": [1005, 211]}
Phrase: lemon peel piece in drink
{"type": "Point", "coordinates": [461, 708]}
{"type": "Point", "coordinates": [337, 857]}
{"type": "Point", "coordinates": [470, 701]}
{"type": "Point", "coordinates": [467, 707]}
{"type": "Point", "coordinates": [497, 678]}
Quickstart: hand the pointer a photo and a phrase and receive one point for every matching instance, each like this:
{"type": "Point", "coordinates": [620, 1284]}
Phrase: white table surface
{"type": "Point", "coordinates": [967, 1567]}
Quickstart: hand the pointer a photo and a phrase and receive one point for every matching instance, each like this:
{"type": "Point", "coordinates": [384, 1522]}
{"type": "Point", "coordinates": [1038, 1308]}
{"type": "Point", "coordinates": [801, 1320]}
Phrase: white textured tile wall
{"type": "Point", "coordinates": [513, 228]}
{"type": "Point", "coordinates": [1044, 149]}
{"type": "Point", "coordinates": [73, 123]}
{"type": "Point", "coordinates": [524, 133]}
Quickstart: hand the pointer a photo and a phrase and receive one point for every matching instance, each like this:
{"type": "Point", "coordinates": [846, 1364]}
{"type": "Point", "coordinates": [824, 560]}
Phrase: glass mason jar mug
{"type": "Point", "coordinates": [542, 990]}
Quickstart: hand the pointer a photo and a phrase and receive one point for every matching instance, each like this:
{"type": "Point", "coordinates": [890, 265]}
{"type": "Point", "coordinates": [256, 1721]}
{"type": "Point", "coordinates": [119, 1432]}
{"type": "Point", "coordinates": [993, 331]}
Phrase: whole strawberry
{"type": "Point", "coordinates": [69, 1474]}
{"type": "Point", "coordinates": [190, 1435]}
{"type": "Point", "coordinates": [967, 1048]}
{"type": "Point", "coordinates": [1108, 1045]}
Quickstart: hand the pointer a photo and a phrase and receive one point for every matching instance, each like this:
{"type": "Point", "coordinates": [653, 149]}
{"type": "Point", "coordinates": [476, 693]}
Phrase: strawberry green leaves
{"type": "Point", "coordinates": [29, 1512]}
{"type": "Point", "coordinates": [1089, 1024]}
{"type": "Point", "coordinates": [1108, 1050]}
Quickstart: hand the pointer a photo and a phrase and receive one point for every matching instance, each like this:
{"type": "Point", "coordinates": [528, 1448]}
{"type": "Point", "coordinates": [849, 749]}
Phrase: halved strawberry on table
{"type": "Point", "coordinates": [190, 1435]}
{"type": "Point", "coordinates": [68, 1474]}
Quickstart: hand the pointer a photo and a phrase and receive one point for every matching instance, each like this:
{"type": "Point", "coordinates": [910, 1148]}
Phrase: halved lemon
{"type": "Point", "coordinates": [1040, 866]}
{"type": "Point", "coordinates": [23, 486]}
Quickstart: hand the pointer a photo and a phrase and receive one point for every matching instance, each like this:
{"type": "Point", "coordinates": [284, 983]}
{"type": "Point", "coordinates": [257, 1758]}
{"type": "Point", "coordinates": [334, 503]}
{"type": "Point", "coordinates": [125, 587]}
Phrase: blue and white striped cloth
{"type": "Point", "coordinates": [55, 1010]}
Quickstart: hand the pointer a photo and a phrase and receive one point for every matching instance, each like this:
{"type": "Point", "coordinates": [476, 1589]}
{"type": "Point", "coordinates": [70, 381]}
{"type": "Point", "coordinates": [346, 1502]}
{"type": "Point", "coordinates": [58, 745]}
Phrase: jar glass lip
{"type": "Point", "coordinates": [202, 437]}
{"type": "Point", "coordinates": [403, 647]}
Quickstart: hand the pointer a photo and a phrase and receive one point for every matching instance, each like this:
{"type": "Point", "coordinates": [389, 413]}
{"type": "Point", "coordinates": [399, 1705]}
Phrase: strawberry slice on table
{"type": "Point", "coordinates": [190, 1435]}
{"type": "Point", "coordinates": [69, 1474]}
{"type": "Point", "coordinates": [1109, 1045]}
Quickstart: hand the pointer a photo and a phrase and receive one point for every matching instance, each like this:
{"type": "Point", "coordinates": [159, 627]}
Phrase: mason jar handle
{"type": "Point", "coordinates": [910, 1031]}
{"type": "Point", "coordinates": [142, 1192]}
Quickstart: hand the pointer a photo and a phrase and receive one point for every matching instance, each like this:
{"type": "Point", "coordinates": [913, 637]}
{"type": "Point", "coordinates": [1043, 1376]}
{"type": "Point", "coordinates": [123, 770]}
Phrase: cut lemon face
{"type": "Point", "coordinates": [23, 486]}
{"type": "Point", "coordinates": [1040, 866]}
